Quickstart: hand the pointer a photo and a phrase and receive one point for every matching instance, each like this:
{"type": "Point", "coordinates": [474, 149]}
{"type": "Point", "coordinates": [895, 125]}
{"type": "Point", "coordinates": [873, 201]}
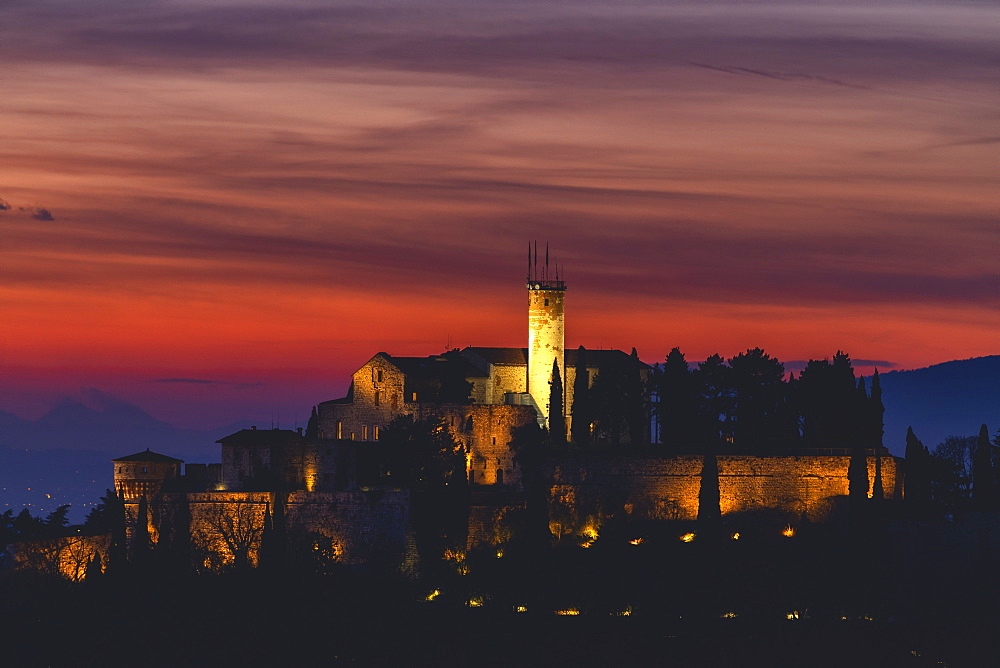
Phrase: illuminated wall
{"type": "Point", "coordinates": [546, 339]}
{"type": "Point", "coordinates": [667, 488]}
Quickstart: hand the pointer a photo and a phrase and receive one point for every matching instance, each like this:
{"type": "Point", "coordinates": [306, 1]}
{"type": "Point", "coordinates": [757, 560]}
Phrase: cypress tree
{"type": "Point", "coordinates": [312, 427]}
{"type": "Point", "coordinates": [635, 407]}
{"type": "Point", "coordinates": [857, 471]}
{"type": "Point", "coordinates": [916, 483]}
{"type": "Point", "coordinates": [117, 551]}
{"type": "Point", "coordinates": [982, 472]}
{"type": "Point", "coordinates": [557, 420]}
{"type": "Point", "coordinates": [140, 539]}
{"type": "Point", "coordinates": [580, 421]}
{"type": "Point", "coordinates": [709, 508]}
{"type": "Point", "coordinates": [876, 429]}
{"type": "Point", "coordinates": [678, 405]}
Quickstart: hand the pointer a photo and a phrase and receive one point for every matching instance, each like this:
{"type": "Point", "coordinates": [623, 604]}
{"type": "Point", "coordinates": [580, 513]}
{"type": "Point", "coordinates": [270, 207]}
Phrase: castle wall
{"type": "Point", "coordinates": [667, 488]}
{"type": "Point", "coordinates": [506, 378]}
{"type": "Point", "coordinates": [363, 527]}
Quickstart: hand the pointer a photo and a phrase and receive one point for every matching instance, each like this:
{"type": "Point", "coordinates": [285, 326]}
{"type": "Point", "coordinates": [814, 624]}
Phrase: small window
{"type": "Point", "coordinates": [413, 397]}
{"type": "Point", "coordinates": [353, 436]}
{"type": "Point", "coordinates": [144, 470]}
{"type": "Point", "coordinates": [378, 397]}
{"type": "Point", "coordinates": [364, 432]}
{"type": "Point", "coordinates": [375, 433]}
{"type": "Point", "coordinates": [340, 430]}
{"type": "Point", "coordinates": [546, 302]}
{"type": "Point", "coordinates": [379, 376]}
{"type": "Point", "coordinates": [494, 440]}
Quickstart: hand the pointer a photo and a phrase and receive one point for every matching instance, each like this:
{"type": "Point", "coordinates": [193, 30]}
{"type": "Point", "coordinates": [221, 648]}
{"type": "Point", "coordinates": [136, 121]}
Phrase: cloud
{"type": "Point", "coordinates": [202, 381]}
{"type": "Point", "coordinates": [798, 365]}
{"type": "Point", "coordinates": [4, 205]}
{"type": "Point", "coordinates": [40, 214]}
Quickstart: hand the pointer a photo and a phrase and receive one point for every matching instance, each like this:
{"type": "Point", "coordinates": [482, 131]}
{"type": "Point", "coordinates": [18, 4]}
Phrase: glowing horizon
{"type": "Point", "coordinates": [258, 198]}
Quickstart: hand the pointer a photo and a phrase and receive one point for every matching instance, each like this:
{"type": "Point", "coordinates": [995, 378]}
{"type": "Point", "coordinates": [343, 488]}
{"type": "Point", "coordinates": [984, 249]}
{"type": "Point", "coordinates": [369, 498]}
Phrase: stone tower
{"type": "Point", "coordinates": [546, 296]}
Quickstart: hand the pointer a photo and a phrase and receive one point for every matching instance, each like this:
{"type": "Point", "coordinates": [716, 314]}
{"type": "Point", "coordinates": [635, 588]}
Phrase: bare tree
{"type": "Point", "coordinates": [228, 533]}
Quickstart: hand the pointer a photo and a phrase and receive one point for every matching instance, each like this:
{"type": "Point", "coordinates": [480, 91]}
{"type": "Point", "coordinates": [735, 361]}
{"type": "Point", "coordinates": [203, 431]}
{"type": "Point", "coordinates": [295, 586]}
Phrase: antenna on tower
{"type": "Point", "coordinates": [546, 276]}
{"type": "Point", "coordinates": [529, 262]}
{"type": "Point", "coordinates": [536, 259]}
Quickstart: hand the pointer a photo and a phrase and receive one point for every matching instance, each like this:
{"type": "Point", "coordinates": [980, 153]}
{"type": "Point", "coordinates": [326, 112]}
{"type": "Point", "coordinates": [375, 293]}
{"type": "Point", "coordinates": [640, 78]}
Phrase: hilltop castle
{"type": "Point", "coordinates": [482, 394]}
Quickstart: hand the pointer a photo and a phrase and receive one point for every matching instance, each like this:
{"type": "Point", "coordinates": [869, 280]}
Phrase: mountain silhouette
{"type": "Point", "coordinates": [948, 399]}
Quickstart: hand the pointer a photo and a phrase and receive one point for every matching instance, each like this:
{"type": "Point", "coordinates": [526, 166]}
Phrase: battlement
{"type": "Point", "coordinates": [546, 285]}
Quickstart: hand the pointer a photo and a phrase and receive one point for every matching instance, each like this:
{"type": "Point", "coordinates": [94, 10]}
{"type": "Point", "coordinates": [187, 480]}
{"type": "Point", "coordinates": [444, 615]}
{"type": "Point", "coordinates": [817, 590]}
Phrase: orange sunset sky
{"type": "Point", "coordinates": [218, 210]}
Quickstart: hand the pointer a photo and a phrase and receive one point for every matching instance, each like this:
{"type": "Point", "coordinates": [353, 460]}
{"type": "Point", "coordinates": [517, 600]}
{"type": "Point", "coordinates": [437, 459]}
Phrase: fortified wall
{"type": "Point", "coordinates": [226, 528]}
{"type": "Point", "coordinates": [667, 488]}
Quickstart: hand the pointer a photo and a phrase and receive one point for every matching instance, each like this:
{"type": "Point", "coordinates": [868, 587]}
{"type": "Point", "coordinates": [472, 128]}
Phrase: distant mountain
{"type": "Point", "coordinates": [65, 455]}
{"type": "Point", "coordinates": [949, 399]}
{"type": "Point", "coordinates": [93, 420]}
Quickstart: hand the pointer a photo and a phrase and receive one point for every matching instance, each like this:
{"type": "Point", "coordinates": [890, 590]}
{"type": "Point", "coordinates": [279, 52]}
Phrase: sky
{"type": "Point", "coordinates": [219, 210]}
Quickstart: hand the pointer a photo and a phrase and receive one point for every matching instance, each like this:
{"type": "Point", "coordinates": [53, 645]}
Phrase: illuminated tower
{"type": "Point", "coordinates": [545, 329]}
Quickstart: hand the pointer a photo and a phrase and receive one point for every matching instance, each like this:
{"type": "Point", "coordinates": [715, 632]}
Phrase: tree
{"type": "Point", "coordinates": [916, 483]}
{"type": "Point", "coordinates": [557, 421]}
{"type": "Point", "coordinates": [982, 472]}
{"type": "Point", "coordinates": [709, 509]}
{"type": "Point", "coordinates": [56, 521]}
{"type": "Point", "coordinates": [636, 415]}
{"type": "Point", "coordinates": [312, 427]}
{"type": "Point", "coordinates": [857, 469]}
{"type": "Point", "coordinates": [677, 407]}
{"type": "Point", "coordinates": [581, 418]}
{"type": "Point", "coordinates": [140, 538]}
{"type": "Point", "coordinates": [715, 401]}
{"type": "Point", "coordinates": [421, 453]}
{"type": "Point", "coordinates": [758, 393]}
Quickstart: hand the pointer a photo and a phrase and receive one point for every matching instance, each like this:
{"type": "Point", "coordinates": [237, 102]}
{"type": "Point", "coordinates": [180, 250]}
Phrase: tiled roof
{"type": "Point", "coordinates": [260, 437]}
{"type": "Point", "coordinates": [149, 456]}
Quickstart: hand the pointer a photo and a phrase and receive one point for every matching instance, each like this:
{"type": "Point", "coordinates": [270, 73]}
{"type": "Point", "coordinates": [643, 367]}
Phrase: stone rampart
{"type": "Point", "coordinates": [667, 488]}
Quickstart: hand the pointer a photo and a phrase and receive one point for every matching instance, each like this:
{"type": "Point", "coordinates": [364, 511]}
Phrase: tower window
{"type": "Point", "coordinates": [378, 397]}
{"type": "Point", "coordinates": [364, 432]}
{"type": "Point", "coordinates": [546, 302]}
{"type": "Point", "coordinates": [340, 429]}
{"type": "Point", "coordinates": [380, 375]}
{"type": "Point", "coordinates": [375, 433]}
{"type": "Point", "coordinates": [144, 470]}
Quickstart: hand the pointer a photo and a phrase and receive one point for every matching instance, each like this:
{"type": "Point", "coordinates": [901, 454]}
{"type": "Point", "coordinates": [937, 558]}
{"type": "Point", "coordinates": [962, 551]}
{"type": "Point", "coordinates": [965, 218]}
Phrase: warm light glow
{"type": "Point", "coordinates": [590, 533]}
{"type": "Point", "coordinates": [568, 612]}
{"type": "Point", "coordinates": [688, 537]}
{"type": "Point", "coordinates": [730, 615]}
{"type": "Point", "coordinates": [637, 541]}
{"type": "Point", "coordinates": [520, 608]}
{"type": "Point", "coordinates": [794, 614]}
{"type": "Point", "coordinates": [736, 535]}
{"type": "Point", "coordinates": [788, 531]}
{"type": "Point", "coordinates": [475, 602]}
{"type": "Point", "coordinates": [625, 612]}
{"type": "Point", "coordinates": [499, 554]}
{"type": "Point", "coordinates": [433, 595]}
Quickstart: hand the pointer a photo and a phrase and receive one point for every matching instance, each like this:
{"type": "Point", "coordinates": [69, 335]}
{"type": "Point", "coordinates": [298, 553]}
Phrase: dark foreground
{"type": "Point", "coordinates": [349, 620]}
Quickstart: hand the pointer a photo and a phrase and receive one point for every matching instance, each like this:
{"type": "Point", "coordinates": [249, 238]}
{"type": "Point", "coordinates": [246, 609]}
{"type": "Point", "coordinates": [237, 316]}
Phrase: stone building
{"type": "Point", "coordinates": [327, 482]}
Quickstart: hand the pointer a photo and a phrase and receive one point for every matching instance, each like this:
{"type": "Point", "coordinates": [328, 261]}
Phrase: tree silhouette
{"type": "Point", "coordinates": [916, 483]}
{"type": "Point", "coordinates": [982, 472]}
{"type": "Point", "coordinates": [557, 421]}
{"type": "Point", "coordinates": [677, 407]}
{"type": "Point", "coordinates": [581, 418]}
{"type": "Point", "coordinates": [758, 393]}
{"type": "Point", "coordinates": [715, 401]}
{"type": "Point", "coordinates": [709, 509]}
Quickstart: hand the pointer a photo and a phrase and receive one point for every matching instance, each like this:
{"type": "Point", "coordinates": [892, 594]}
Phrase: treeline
{"type": "Point", "coordinates": [960, 474]}
{"type": "Point", "coordinates": [746, 404]}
